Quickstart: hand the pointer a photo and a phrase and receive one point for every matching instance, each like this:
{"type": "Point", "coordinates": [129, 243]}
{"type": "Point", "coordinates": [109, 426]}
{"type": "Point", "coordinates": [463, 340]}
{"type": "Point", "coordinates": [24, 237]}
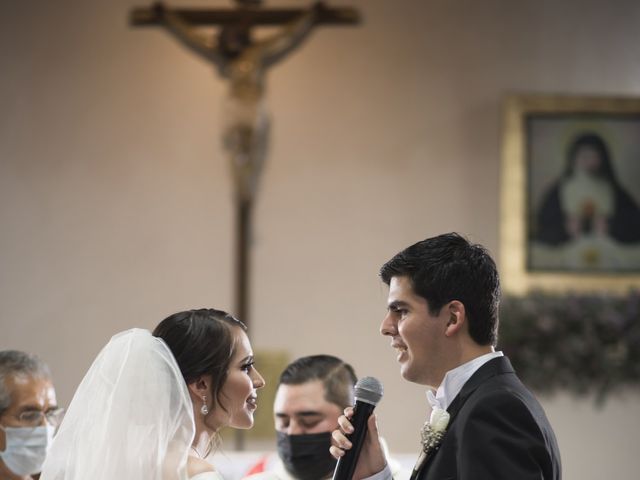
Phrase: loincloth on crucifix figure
{"type": "Point", "coordinates": [243, 61]}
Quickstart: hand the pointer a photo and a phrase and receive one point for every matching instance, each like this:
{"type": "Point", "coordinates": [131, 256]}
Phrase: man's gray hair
{"type": "Point", "coordinates": [15, 362]}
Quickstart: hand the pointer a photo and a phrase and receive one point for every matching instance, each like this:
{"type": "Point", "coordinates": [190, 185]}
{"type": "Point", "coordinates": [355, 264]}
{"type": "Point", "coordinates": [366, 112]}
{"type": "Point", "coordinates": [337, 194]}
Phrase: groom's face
{"type": "Point", "coordinates": [416, 334]}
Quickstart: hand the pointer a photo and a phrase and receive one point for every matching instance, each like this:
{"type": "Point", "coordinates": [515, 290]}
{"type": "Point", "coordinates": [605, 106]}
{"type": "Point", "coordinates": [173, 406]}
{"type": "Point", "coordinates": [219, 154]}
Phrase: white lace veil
{"type": "Point", "coordinates": [130, 419]}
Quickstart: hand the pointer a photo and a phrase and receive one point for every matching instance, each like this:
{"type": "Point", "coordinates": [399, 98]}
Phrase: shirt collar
{"type": "Point", "coordinates": [455, 379]}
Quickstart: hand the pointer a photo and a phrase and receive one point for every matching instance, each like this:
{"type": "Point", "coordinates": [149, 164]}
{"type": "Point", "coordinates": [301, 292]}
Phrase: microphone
{"type": "Point", "coordinates": [367, 392]}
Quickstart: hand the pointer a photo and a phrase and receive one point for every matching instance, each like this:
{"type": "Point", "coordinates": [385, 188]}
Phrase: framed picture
{"type": "Point", "coordinates": [570, 197]}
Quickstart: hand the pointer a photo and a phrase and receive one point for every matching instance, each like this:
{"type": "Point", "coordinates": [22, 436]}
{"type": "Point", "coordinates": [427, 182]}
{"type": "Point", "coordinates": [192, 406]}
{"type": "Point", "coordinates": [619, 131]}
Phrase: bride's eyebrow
{"type": "Point", "coordinates": [248, 358]}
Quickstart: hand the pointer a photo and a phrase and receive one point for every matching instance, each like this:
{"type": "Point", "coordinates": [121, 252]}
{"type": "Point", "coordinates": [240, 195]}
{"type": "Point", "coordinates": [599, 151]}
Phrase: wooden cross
{"type": "Point", "coordinates": [243, 61]}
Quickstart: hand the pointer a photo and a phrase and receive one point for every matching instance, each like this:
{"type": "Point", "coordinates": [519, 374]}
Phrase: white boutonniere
{"type": "Point", "coordinates": [431, 435]}
{"type": "Point", "coordinates": [433, 431]}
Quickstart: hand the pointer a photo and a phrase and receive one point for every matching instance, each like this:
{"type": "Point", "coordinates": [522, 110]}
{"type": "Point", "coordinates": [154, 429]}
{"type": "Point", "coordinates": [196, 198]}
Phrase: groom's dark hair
{"type": "Point", "coordinates": [446, 268]}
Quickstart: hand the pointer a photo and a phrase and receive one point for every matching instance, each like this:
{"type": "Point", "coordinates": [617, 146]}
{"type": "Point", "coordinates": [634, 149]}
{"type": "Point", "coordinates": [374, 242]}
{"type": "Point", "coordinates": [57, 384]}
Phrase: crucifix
{"type": "Point", "coordinates": [243, 61]}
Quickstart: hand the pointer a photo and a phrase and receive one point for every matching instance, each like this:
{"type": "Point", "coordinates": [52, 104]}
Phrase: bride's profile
{"type": "Point", "coordinates": [151, 404]}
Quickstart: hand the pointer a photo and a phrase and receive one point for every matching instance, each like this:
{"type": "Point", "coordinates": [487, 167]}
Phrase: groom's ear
{"type": "Point", "coordinates": [457, 317]}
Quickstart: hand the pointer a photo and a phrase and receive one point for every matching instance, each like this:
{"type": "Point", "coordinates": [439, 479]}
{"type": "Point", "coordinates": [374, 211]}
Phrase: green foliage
{"type": "Point", "coordinates": [582, 343]}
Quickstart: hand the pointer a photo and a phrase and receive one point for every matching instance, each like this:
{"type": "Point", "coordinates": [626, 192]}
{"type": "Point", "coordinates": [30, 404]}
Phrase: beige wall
{"type": "Point", "coordinates": [115, 202]}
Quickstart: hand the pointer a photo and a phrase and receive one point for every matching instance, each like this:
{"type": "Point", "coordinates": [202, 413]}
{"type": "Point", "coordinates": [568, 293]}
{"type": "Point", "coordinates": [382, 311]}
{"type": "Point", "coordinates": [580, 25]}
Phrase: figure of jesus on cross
{"type": "Point", "coordinates": [243, 60]}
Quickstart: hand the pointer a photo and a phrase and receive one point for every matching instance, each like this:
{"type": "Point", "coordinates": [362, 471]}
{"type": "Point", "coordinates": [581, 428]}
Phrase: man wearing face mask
{"type": "Point", "coordinates": [29, 414]}
{"type": "Point", "coordinates": [312, 393]}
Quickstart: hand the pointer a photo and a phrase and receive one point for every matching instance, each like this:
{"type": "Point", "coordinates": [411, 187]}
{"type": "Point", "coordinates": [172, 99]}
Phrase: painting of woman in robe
{"type": "Point", "coordinates": [586, 219]}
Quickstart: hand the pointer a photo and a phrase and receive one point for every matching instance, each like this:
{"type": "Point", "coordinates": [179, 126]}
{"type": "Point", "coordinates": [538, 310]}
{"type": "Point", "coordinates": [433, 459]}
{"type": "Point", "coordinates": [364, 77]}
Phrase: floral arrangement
{"type": "Point", "coordinates": [583, 343]}
{"type": "Point", "coordinates": [431, 435]}
{"type": "Point", "coordinates": [433, 431]}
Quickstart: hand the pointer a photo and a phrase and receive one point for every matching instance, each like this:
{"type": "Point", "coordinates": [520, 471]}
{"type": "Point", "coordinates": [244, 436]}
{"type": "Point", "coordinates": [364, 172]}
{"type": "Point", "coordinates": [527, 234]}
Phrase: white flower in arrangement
{"type": "Point", "coordinates": [439, 419]}
{"type": "Point", "coordinates": [431, 435]}
{"type": "Point", "coordinates": [433, 431]}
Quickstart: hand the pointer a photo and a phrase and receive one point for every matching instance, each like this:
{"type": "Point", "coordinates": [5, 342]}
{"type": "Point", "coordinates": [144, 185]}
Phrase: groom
{"type": "Point", "coordinates": [443, 320]}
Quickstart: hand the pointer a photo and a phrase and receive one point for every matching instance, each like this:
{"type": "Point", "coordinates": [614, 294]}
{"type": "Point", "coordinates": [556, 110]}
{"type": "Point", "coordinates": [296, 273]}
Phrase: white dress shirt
{"type": "Point", "coordinates": [455, 379]}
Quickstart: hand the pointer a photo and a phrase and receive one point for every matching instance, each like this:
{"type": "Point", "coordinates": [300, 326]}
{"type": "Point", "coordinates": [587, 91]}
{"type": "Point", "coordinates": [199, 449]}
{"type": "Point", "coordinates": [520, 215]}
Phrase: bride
{"type": "Point", "coordinates": [151, 405]}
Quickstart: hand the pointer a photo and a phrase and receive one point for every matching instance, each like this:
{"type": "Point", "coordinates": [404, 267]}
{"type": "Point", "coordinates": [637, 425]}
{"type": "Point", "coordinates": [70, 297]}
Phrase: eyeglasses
{"type": "Point", "coordinates": [33, 418]}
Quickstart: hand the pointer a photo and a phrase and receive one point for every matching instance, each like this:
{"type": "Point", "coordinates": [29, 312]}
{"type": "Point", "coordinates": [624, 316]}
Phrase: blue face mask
{"type": "Point", "coordinates": [26, 448]}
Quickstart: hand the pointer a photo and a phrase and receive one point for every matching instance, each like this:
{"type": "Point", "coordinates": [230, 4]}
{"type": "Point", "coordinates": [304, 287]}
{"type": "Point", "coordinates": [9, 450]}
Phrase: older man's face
{"type": "Point", "coordinates": [29, 395]}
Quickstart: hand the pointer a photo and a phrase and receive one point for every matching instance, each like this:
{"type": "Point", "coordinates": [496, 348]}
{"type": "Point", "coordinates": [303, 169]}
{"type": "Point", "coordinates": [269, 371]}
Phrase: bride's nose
{"type": "Point", "coordinates": [257, 380]}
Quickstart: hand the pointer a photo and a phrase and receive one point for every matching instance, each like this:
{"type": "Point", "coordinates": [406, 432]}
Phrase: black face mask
{"type": "Point", "coordinates": [307, 456]}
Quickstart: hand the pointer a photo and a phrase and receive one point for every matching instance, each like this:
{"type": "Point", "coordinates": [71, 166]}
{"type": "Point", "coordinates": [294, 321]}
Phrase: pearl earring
{"type": "Point", "coordinates": [204, 410]}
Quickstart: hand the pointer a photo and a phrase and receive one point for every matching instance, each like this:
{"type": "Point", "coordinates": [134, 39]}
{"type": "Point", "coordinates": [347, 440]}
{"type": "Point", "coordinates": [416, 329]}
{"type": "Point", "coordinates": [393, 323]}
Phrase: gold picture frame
{"type": "Point", "coordinates": [546, 223]}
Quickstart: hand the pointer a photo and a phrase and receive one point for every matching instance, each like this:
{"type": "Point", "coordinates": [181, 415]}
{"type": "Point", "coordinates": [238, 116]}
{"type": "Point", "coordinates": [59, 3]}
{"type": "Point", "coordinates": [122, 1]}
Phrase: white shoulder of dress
{"type": "Point", "coordinates": [207, 476]}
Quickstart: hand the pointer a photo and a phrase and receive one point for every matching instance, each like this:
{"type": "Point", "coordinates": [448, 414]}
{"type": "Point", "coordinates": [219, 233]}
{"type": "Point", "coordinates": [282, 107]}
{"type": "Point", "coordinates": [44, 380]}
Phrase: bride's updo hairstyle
{"type": "Point", "coordinates": [202, 343]}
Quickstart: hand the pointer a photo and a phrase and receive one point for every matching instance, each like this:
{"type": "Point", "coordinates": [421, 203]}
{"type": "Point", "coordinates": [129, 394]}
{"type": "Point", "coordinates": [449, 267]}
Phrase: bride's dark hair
{"type": "Point", "coordinates": [202, 343]}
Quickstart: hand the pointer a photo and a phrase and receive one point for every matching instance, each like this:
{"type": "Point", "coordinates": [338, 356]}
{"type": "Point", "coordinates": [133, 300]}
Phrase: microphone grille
{"type": "Point", "coordinates": [368, 389]}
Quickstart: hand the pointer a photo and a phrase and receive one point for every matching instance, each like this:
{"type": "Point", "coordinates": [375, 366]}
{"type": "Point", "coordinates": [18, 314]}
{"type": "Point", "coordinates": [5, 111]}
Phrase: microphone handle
{"type": "Point", "coordinates": [347, 464]}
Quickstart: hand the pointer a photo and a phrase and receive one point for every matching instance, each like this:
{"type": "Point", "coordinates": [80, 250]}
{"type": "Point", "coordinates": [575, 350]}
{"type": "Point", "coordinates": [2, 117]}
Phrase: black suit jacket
{"type": "Point", "coordinates": [497, 431]}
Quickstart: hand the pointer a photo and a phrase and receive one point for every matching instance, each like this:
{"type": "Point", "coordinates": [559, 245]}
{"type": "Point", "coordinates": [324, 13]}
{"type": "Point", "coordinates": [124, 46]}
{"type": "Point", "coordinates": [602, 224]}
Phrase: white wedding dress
{"type": "Point", "coordinates": [131, 418]}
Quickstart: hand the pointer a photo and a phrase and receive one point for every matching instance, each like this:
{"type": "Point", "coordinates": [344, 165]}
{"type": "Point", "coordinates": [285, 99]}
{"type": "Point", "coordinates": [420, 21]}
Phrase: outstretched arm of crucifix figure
{"type": "Point", "coordinates": [279, 45]}
{"type": "Point", "coordinates": [267, 51]}
{"type": "Point", "coordinates": [203, 45]}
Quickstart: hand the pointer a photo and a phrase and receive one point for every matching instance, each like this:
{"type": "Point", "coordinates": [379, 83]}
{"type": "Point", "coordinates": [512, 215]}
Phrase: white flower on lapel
{"type": "Point", "coordinates": [439, 419]}
{"type": "Point", "coordinates": [433, 431]}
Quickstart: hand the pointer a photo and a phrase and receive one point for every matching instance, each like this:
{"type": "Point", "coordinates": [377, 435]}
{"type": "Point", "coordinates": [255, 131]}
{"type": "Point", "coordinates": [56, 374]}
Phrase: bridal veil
{"type": "Point", "coordinates": [131, 418]}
